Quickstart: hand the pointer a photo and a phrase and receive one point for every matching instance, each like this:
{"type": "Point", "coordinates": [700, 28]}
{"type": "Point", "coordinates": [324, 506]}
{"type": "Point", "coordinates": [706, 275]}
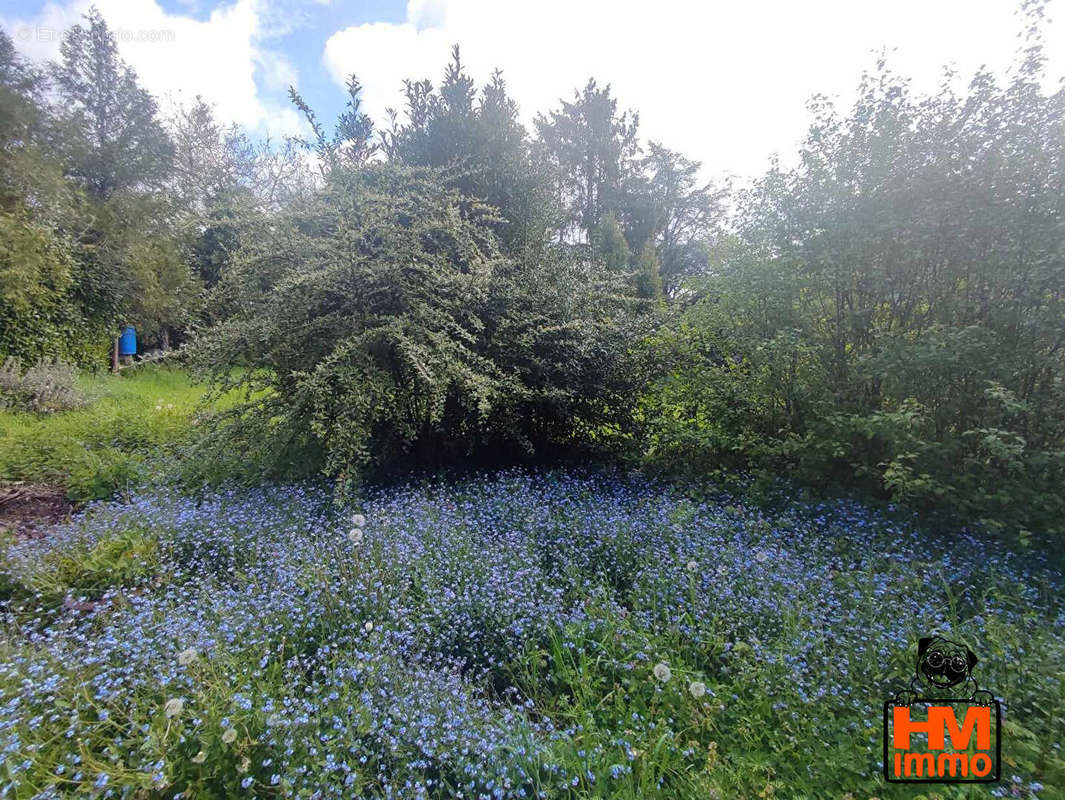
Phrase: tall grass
{"type": "Point", "coordinates": [108, 446]}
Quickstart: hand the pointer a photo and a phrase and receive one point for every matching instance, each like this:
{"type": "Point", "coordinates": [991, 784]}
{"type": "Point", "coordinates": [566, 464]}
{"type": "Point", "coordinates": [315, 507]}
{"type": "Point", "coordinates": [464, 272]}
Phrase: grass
{"type": "Point", "coordinates": [517, 634]}
{"type": "Point", "coordinates": [108, 446]}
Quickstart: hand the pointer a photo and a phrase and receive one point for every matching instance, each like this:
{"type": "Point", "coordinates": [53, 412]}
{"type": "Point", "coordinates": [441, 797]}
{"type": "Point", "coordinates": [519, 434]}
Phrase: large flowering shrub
{"type": "Point", "coordinates": [512, 635]}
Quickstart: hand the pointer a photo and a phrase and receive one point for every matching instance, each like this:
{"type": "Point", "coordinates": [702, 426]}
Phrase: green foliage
{"type": "Point", "coordinates": [112, 139]}
{"type": "Point", "coordinates": [39, 316]}
{"type": "Point", "coordinates": [611, 247]}
{"type": "Point", "coordinates": [480, 140]}
{"type": "Point", "coordinates": [672, 216]}
{"type": "Point", "coordinates": [87, 231]}
{"type": "Point", "coordinates": [109, 446]}
{"type": "Point", "coordinates": [379, 320]}
{"type": "Point", "coordinates": [34, 271]}
{"type": "Point", "coordinates": [881, 323]}
{"type": "Point", "coordinates": [649, 273]}
{"type": "Point", "coordinates": [85, 569]}
{"type": "Point", "coordinates": [592, 150]}
{"type": "Point", "coordinates": [44, 388]}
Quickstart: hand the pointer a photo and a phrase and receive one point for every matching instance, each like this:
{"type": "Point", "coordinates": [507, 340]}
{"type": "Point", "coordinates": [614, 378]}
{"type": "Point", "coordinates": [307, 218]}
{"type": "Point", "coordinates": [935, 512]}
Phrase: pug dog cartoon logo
{"type": "Point", "coordinates": [944, 728]}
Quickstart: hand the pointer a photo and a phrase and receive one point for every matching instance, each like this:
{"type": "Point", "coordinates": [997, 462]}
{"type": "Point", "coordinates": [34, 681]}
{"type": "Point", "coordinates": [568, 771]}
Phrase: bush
{"type": "Point", "coordinates": [48, 386]}
{"type": "Point", "coordinates": [380, 324]}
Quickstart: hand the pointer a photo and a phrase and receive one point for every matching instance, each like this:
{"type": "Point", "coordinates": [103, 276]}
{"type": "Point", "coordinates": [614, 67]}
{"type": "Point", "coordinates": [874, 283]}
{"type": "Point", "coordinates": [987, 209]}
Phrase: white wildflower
{"type": "Point", "coordinates": [368, 627]}
{"type": "Point", "coordinates": [693, 565]}
{"type": "Point", "coordinates": [173, 706]}
{"type": "Point", "coordinates": [663, 672]}
{"type": "Point", "coordinates": [199, 758]}
{"type": "Point", "coordinates": [229, 735]}
{"type": "Point", "coordinates": [763, 555]}
{"type": "Point", "coordinates": [355, 536]}
{"type": "Point", "coordinates": [189, 656]}
{"type": "Point", "coordinates": [697, 689]}
{"type": "Point", "coordinates": [358, 520]}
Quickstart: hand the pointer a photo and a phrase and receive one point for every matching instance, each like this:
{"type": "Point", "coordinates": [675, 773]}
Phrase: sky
{"type": "Point", "coordinates": [726, 83]}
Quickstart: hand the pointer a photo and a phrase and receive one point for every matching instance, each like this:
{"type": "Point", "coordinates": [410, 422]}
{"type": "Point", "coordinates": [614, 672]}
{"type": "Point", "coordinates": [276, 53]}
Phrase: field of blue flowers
{"type": "Point", "coordinates": [516, 634]}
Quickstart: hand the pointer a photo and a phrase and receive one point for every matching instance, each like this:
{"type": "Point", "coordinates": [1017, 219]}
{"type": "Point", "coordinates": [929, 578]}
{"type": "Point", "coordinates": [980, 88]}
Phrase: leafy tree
{"type": "Point", "coordinates": [667, 206]}
{"type": "Point", "coordinates": [203, 167]}
{"type": "Point", "coordinates": [105, 130]}
{"type": "Point", "coordinates": [358, 314]}
{"type": "Point", "coordinates": [211, 189]}
{"type": "Point", "coordinates": [649, 273]}
{"type": "Point", "coordinates": [20, 93]}
{"type": "Point", "coordinates": [352, 141]}
{"type": "Point", "coordinates": [611, 247]}
{"type": "Point", "coordinates": [893, 315]}
{"type": "Point", "coordinates": [39, 211]}
{"type": "Point", "coordinates": [656, 198]}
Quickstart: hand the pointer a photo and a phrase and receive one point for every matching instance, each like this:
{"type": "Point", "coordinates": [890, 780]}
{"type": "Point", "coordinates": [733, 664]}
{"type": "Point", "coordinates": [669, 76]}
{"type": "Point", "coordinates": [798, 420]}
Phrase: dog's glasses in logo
{"type": "Point", "coordinates": [943, 664]}
{"type": "Point", "coordinates": [952, 666]}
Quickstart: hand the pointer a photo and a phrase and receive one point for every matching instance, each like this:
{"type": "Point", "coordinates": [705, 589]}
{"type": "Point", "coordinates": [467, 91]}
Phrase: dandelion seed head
{"type": "Point", "coordinates": [173, 706]}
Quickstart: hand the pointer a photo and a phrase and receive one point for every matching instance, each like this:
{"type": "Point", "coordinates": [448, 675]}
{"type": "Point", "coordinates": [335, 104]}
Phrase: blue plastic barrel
{"type": "Point", "coordinates": [127, 342]}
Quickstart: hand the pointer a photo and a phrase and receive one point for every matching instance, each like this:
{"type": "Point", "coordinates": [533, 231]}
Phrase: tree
{"type": "Point", "coordinates": [666, 205]}
{"type": "Point", "coordinates": [611, 247]}
{"type": "Point", "coordinates": [893, 314]}
{"type": "Point", "coordinates": [352, 141]}
{"type": "Point", "coordinates": [362, 306]}
{"type": "Point", "coordinates": [211, 189]}
{"type": "Point", "coordinates": [202, 167]}
{"type": "Point", "coordinates": [110, 136]}
{"type": "Point", "coordinates": [388, 327]}
{"type": "Point", "coordinates": [40, 213]}
{"type": "Point", "coordinates": [106, 132]}
{"type": "Point", "coordinates": [20, 94]}
{"type": "Point", "coordinates": [649, 273]}
{"type": "Point", "coordinates": [485, 148]}
{"type": "Point", "coordinates": [592, 150]}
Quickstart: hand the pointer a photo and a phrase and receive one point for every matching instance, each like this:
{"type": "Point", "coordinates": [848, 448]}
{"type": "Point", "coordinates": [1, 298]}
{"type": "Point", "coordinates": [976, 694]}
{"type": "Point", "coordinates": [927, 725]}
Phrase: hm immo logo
{"type": "Point", "coordinates": [933, 732]}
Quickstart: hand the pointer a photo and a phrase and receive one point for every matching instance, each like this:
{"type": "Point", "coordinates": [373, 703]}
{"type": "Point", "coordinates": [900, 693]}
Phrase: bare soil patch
{"type": "Point", "coordinates": [28, 509]}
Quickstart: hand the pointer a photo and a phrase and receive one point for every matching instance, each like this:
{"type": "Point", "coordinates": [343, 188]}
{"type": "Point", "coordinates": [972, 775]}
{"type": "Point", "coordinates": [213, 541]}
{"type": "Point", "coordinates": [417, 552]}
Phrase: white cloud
{"type": "Point", "coordinates": [178, 57]}
{"type": "Point", "coordinates": [725, 82]}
